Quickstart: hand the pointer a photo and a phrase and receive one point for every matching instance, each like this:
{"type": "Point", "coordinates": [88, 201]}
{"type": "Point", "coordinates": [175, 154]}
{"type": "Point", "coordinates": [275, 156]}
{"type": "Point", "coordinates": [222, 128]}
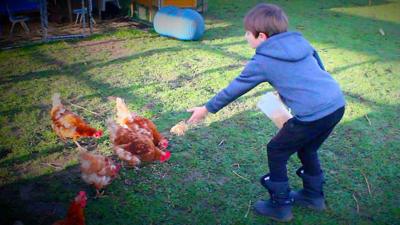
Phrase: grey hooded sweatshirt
{"type": "Point", "coordinates": [291, 65]}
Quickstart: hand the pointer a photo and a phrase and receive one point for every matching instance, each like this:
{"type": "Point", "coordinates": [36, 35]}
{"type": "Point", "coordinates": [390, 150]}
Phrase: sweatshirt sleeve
{"type": "Point", "coordinates": [251, 76]}
{"type": "Point", "coordinates": [316, 56]}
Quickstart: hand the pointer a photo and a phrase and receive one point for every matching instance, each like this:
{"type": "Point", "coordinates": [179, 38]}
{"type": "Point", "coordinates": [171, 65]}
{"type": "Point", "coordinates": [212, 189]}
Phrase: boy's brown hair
{"type": "Point", "coordinates": [266, 18]}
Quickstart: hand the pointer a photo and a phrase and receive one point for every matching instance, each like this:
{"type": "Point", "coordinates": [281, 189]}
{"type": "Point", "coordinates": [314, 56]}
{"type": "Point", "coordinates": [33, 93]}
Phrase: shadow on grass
{"type": "Point", "coordinates": [82, 67]}
{"type": "Point", "coordinates": [216, 150]}
{"type": "Point", "coordinates": [40, 200]}
{"type": "Point", "coordinates": [31, 157]}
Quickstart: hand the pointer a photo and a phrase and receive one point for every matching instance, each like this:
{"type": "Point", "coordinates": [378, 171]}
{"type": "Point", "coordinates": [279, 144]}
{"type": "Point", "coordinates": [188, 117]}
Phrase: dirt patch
{"type": "Point", "coordinates": [193, 176]}
{"type": "Point", "coordinates": [221, 180]}
{"type": "Point", "coordinates": [103, 26]}
{"type": "Point", "coordinates": [150, 106]}
{"type": "Point", "coordinates": [213, 207]}
{"type": "Point", "coordinates": [57, 162]}
{"type": "Point", "coordinates": [114, 48]}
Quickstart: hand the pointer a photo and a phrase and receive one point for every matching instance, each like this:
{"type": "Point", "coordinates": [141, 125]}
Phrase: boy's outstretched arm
{"type": "Point", "coordinates": [199, 113]}
{"type": "Point", "coordinates": [251, 76]}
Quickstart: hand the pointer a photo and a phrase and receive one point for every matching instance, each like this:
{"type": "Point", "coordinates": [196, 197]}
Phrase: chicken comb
{"type": "Point", "coordinates": [81, 198]}
{"type": "Point", "coordinates": [165, 157]}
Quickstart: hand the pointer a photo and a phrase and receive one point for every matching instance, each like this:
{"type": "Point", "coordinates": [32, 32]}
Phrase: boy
{"type": "Point", "coordinates": [291, 65]}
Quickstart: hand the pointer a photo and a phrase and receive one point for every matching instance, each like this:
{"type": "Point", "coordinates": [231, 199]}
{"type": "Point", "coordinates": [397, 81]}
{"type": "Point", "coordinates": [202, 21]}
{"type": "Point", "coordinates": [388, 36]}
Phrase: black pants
{"type": "Point", "coordinates": [304, 138]}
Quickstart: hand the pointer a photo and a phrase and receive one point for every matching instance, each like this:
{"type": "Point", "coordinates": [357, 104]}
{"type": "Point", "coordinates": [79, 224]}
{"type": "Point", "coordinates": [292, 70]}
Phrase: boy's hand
{"type": "Point", "coordinates": [199, 113]}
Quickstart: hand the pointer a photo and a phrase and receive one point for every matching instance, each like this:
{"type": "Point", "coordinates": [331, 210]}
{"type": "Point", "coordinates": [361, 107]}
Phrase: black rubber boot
{"type": "Point", "coordinates": [312, 195]}
{"type": "Point", "coordinates": [279, 206]}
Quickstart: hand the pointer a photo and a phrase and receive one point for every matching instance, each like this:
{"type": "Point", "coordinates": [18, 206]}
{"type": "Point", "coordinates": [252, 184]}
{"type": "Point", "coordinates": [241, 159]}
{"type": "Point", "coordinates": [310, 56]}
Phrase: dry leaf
{"type": "Point", "coordinates": [180, 128]}
{"type": "Point", "coordinates": [111, 98]}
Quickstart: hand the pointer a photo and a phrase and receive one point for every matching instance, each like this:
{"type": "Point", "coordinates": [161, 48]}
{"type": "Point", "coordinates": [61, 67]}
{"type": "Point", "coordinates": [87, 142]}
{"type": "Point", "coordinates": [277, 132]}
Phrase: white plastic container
{"type": "Point", "coordinates": [273, 107]}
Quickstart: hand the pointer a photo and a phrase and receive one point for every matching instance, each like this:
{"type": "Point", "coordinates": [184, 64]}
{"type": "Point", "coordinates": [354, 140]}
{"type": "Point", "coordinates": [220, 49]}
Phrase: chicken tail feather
{"type": "Point", "coordinates": [112, 128]}
{"type": "Point", "coordinates": [122, 111]}
{"type": "Point", "coordinates": [56, 99]}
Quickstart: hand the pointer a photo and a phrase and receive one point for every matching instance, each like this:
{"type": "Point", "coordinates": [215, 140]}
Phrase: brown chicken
{"type": "Point", "coordinates": [67, 124]}
{"type": "Point", "coordinates": [133, 146]}
{"type": "Point", "coordinates": [97, 170]}
{"type": "Point", "coordinates": [140, 124]}
{"type": "Point", "coordinates": [75, 215]}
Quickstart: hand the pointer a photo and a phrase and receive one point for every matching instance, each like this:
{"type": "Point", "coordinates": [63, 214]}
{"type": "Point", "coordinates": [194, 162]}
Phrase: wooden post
{"type": "Point", "coordinates": [132, 5]}
{"type": "Point", "coordinates": [90, 8]}
{"type": "Point", "coordinates": [99, 6]}
{"type": "Point", "coordinates": [83, 16]}
{"type": "Point", "coordinates": [43, 18]}
{"type": "Point", "coordinates": [69, 10]}
{"type": "Point", "coordinates": [150, 5]}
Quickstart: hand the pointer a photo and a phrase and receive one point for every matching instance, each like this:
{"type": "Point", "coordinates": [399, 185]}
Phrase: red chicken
{"type": "Point", "coordinates": [132, 146]}
{"type": "Point", "coordinates": [67, 124]}
{"type": "Point", "coordinates": [97, 170]}
{"type": "Point", "coordinates": [75, 215]}
{"type": "Point", "coordinates": [140, 124]}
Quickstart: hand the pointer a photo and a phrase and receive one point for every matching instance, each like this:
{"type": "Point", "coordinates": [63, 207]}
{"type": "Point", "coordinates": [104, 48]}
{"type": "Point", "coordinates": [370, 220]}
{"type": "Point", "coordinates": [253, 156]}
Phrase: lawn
{"type": "Point", "coordinates": [212, 176]}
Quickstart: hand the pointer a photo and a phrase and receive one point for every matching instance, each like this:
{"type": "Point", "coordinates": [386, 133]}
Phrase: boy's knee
{"type": "Point", "coordinates": [277, 152]}
{"type": "Point", "coordinates": [273, 151]}
{"type": "Point", "coordinates": [272, 146]}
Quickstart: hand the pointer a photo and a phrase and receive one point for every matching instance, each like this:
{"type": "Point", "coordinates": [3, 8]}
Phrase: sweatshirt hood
{"type": "Point", "coordinates": [288, 46]}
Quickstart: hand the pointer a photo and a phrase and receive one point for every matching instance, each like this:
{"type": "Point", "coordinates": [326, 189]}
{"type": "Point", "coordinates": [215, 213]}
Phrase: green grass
{"type": "Point", "coordinates": [160, 78]}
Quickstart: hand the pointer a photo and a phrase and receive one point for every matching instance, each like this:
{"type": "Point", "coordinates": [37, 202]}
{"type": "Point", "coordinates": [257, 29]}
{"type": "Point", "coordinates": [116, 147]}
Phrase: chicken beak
{"type": "Point", "coordinates": [164, 143]}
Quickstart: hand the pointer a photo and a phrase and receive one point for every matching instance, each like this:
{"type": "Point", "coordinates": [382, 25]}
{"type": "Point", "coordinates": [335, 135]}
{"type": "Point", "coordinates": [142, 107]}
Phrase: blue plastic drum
{"type": "Point", "coordinates": [182, 24]}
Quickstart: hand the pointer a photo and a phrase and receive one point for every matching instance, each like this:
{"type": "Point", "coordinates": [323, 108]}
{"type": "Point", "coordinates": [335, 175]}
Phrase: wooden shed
{"type": "Point", "coordinates": [146, 9]}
